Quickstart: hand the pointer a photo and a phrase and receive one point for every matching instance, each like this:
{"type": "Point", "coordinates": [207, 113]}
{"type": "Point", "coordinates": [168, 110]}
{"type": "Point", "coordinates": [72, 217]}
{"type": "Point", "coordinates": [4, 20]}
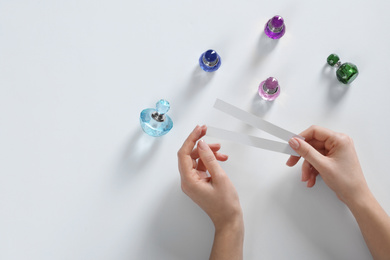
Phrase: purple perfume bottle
{"type": "Point", "coordinates": [269, 89]}
{"type": "Point", "coordinates": [275, 27]}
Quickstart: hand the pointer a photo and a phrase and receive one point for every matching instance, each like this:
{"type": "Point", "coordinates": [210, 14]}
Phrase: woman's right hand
{"type": "Point", "coordinates": [333, 156]}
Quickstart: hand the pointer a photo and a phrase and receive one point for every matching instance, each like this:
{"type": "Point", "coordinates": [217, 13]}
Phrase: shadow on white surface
{"type": "Point", "coordinates": [265, 46]}
{"type": "Point", "coordinates": [316, 223]}
{"type": "Point", "coordinates": [179, 230]}
{"type": "Point", "coordinates": [260, 107]}
{"type": "Point", "coordinates": [336, 90]}
{"type": "Point", "coordinates": [139, 149]}
{"type": "Point", "coordinates": [198, 80]}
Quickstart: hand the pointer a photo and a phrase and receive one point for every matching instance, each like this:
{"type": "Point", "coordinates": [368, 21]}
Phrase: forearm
{"type": "Point", "coordinates": [228, 241]}
{"type": "Point", "coordinates": [374, 224]}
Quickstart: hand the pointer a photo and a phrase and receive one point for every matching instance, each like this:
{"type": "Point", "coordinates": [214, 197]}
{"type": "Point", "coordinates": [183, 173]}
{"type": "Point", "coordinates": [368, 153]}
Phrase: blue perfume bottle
{"type": "Point", "coordinates": [210, 61]}
{"type": "Point", "coordinates": [155, 122]}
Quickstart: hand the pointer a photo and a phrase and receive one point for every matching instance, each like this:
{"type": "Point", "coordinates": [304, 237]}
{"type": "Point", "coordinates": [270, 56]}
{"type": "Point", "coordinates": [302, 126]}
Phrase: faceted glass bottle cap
{"type": "Point", "coordinates": [277, 22]}
{"type": "Point", "coordinates": [210, 61]}
{"type": "Point", "coordinates": [333, 59]}
{"type": "Point", "coordinates": [155, 122]}
{"type": "Point", "coordinates": [275, 27]}
{"type": "Point", "coordinates": [346, 72]}
{"type": "Point", "coordinates": [269, 89]}
{"type": "Point", "coordinates": [162, 106]}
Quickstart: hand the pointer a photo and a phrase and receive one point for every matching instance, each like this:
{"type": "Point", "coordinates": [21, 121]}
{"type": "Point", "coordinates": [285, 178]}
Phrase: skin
{"type": "Point", "coordinates": [329, 154]}
{"type": "Point", "coordinates": [333, 156]}
{"type": "Point", "coordinates": [215, 194]}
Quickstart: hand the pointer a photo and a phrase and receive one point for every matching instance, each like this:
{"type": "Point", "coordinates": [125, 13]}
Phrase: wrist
{"type": "Point", "coordinates": [354, 194]}
{"type": "Point", "coordinates": [232, 225]}
{"type": "Point", "coordinates": [362, 200]}
{"type": "Point", "coordinates": [228, 238]}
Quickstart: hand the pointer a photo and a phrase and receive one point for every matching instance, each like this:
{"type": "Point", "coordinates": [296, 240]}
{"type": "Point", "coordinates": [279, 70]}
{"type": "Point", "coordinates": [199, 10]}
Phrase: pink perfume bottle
{"type": "Point", "coordinates": [269, 89]}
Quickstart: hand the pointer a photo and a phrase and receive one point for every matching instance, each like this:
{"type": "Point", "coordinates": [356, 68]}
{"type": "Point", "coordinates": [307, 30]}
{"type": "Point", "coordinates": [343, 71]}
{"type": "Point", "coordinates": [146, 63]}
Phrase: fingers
{"type": "Point", "coordinates": [203, 175]}
{"type": "Point", "coordinates": [292, 160]}
{"type": "Point", "coordinates": [309, 174]}
{"type": "Point", "coordinates": [209, 160]}
{"type": "Point", "coordinates": [318, 145]}
{"type": "Point", "coordinates": [191, 140]}
{"type": "Point", "coordinates": [184, 154]}
{"type": "Point", "coordinates": [316, 150]}
{"type": "Point", "coordinates": [214, 147]}
{"type": "Point", "coordinates": [318, 133]}
{"type": "Point", "coordinates": [201, 167]}
{"type": "Point", "coordinates": [312, 180]}
{"type": "Point", "coordinates": [221, 157]}
{"type": "Point", "coordinates": [316, 136]}
{"type": "Point", "coordinates": [308, 152]}
{"type": "Point", "coordinates": [306, 170]}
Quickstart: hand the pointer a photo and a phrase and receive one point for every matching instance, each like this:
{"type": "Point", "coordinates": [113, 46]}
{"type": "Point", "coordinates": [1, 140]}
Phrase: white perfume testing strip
{"type": "Point", "coordinates": [255, 121]}
{"type": "Point", "coordinates": [251, 140]}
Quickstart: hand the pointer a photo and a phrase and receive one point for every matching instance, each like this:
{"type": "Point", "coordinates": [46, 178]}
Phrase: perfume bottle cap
{"type": "Point", "coordinates": [277, 21]}
{"type": "Point", "coordinates": [333, 60]}
{"type": "Point", "coordinates": [162, 107]}
{"type": "Point", "coordinates": [210, 56]}
{"type": "Point", "coordinates": [271, 83]}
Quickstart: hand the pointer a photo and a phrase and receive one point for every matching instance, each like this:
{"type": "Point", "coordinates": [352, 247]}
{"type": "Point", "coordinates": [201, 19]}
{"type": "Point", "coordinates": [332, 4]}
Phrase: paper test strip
{"type": "Point", "coordinates": [251, 140]}
{"type": "Point", "coordinates": [256, 122]}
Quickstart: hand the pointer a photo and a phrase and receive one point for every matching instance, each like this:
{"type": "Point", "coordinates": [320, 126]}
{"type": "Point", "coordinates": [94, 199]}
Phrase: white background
{"type": "Point", "coordinates": [79, 178]}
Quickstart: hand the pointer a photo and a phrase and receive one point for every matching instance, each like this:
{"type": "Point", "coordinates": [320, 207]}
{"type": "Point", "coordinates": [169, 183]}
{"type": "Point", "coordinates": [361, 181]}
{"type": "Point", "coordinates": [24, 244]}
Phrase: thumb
{"type": "Point", "coordinates": [308, 152]}
{"type": "Point", "coordinates": [208, 158]}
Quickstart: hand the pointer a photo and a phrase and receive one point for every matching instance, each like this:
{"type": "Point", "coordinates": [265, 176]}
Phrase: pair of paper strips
{"type": "Point", "coordinates": [256, 122]}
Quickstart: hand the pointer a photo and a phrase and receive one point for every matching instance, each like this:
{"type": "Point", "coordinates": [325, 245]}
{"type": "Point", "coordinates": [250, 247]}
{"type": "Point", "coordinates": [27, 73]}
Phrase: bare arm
{"type": "Point", "coordinates": [215, 194]}
{"type": "Point", "coordinates": [228, 241]}
{"type": "Point", "coordinates": [374, 224]}
{"type": "Point", "coordinates": [333, 156]}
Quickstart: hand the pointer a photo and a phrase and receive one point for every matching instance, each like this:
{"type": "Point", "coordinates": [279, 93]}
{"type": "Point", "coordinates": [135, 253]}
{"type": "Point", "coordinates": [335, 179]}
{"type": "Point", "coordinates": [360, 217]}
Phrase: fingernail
{"type": "Point", "coordinates": [293, 143]}
{"type": "Point", "coordinates": [202, 145]}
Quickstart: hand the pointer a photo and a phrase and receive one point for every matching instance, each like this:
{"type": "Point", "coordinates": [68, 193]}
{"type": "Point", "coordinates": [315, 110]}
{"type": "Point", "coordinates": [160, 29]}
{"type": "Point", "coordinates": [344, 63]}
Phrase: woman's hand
{"type": "Point", "coordinates": [213, 192]}
{"type": "Point", "coordinates": [333, 156]}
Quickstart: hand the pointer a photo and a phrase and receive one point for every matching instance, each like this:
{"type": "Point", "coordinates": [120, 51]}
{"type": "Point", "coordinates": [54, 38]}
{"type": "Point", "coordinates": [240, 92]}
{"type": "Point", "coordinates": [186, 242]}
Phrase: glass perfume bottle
{"type": "Point", "coordinates": [155, 122]}
{"type": "Point", "coordinates": [269, 89]}
{"type": "Point", "coordinates": [346, 72]}
{"type": "Point", "coordinates": [275, 27]}
{"type": "Point", "coordinates": [210, 61]}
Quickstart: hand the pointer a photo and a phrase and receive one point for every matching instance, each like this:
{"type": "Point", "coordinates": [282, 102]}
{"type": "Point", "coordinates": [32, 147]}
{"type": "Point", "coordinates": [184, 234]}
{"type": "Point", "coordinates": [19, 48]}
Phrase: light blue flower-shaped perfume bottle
{"type": "Point", "coordinates": [155, 122]}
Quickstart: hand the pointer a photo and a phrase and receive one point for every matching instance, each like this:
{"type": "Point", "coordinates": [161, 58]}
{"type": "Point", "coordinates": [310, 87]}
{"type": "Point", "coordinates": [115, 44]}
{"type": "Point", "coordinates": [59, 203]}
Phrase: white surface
{"type": "Point", "coordinates": [80, 180]}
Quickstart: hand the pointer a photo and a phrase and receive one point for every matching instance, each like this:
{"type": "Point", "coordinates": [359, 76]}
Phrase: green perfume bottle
{"type": "Point", "coordinates": [346, 72]}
